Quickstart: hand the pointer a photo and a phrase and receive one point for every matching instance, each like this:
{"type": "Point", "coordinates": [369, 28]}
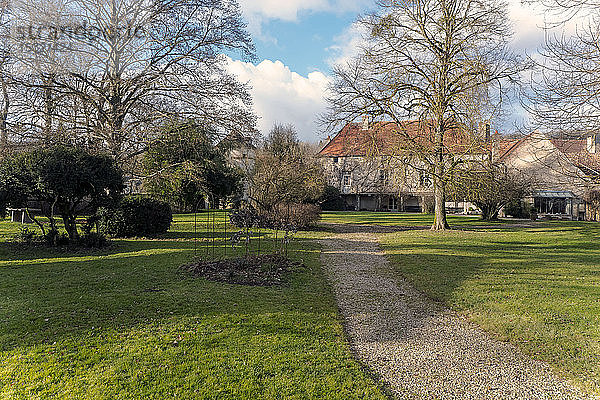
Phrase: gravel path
{"type": "Point", "coordinates": [420, 349]}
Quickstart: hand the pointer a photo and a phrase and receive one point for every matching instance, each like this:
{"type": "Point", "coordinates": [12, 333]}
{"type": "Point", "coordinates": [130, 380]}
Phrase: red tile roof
{"type": "Point", "coordinates": [386, 138]}
{"type": "Point", "coordinates": [588, 163]}
{"type": "Point", "coordinates": [574, 149]}
{"type": "Point", "coordinates": [504, 145]}
{"type": "Point", "coordinates": [569, 146]}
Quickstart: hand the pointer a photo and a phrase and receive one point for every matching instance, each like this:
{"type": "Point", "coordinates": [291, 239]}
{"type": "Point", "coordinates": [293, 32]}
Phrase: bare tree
{"type": "Point", "coordinates": [490, 186]}
{"type": "Point", "coordinates": [285, 171]}
{"type": "Point", "coordinates": [110, 71]}
{"type": "Point", "coordinates": [430, 61]}
{"type": "Point", "coordinates": [4, 77]}
{"type": "Point", "coordinates": [563, 97]}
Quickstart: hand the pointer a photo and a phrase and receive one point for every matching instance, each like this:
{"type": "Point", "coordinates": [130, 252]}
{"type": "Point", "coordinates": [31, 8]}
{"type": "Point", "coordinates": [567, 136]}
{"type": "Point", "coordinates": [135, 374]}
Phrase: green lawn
{"type": "Point", "coordinates": [537, 287]}
{"type": "Point", "coordinates": [396, 219]}
{"type": "Point", "coordinates": [122, 323]}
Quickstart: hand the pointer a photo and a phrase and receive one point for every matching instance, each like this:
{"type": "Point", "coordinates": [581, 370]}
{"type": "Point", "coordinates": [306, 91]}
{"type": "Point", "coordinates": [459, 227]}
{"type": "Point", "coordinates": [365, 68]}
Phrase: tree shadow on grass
{"type": "Point", "coordinates": [440, 267]}
{"type": "Point", "coordinates": [437, 269]}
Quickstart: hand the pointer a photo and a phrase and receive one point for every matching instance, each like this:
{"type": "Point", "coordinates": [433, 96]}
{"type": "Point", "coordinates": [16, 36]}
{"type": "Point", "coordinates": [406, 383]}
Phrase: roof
{"type": "Point", "coordinates": [504, 145]}
{"type": "Point", "coordinates": [569, 146]}
{"type": "Point", "coordinates": [386, 138]}
{"type": "Point", "coordinates": [575, 150]}
{"type": "Point", "coordinates": [562, 194]}
{"type": "Point", "coordinates": [588, 163]}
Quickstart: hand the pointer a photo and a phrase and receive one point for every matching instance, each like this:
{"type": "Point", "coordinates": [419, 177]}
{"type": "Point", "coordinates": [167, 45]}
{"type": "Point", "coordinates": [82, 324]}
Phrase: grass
{"type": "Point", "coordinates": [536, 287]}
{"type": "Point", "coordinates": [122, 323]}
{"type": "Point", "coordinates": [396, 219]}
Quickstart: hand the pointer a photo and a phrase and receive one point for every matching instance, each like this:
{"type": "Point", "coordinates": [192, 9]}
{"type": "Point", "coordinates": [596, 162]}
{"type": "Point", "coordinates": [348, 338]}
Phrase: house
{"type": "Point", "coordinates": [242, 155]}
{"type": "Point", "coordinates": [562, 170]}
{"type": "Point", "coordinates": [369, 164]}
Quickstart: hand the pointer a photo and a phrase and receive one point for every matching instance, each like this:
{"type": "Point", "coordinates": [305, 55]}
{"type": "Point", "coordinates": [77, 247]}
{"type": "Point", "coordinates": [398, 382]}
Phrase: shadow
{"type": "Point", "coordinates": [532, 287]}
{"type": "Point", "coordinates": [359, 228]}
{"type": "Point", "coordinates": [380, 303]}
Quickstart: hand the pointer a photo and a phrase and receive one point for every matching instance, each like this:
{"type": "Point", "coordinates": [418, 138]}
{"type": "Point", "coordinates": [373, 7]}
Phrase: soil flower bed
{"type": "Point", "coordinates": [263, 270]}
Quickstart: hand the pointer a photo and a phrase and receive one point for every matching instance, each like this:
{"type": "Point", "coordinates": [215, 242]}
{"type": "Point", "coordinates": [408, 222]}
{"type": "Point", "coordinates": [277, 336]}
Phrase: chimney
{"type": "Point", "coordinates": [485, 131]}
{"type": "Point", "coordinates": [365, 123]}
{"type": "Point", "coordinates": [593, 141]}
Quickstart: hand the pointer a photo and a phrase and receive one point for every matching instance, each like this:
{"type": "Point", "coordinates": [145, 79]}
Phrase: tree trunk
{"type": "Point", "coordinates": [440, 222]}
{"type": "Point", "coordinates": [490, 211]}
{"type": "Point", "coordinates": [71, 227]}
{"type": "Point", "coordinates": [4, 116]}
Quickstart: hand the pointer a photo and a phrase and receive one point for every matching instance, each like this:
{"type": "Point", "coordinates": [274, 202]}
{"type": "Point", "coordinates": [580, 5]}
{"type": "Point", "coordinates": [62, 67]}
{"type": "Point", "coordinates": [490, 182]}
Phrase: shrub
{"type": "Point", "coordinates": [26, 236]}
{"type": "Point", "coordinates": [297, 216]}
{"type": "Point", "coordinates": [93, 239]}
{"type": "Point", "coordinates": [136, 216]}
{"type": "Point", "coordinates": [66, 180]}
{"type": "Point", "coordinates": [283, 216]}
{"type": "Point", "coordinates": [331, 200]}
{"type": "Point", "coordinates": [54, 238]}
{"type": "Point", "coordinates": [519, 209]}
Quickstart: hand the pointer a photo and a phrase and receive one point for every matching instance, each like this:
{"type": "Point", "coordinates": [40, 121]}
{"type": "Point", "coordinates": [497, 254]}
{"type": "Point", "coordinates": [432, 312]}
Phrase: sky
{"type": "Point", "coordinates": [299, 41]}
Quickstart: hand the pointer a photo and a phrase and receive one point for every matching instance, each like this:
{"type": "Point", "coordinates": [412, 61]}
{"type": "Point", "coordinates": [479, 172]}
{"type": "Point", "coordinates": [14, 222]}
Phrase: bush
{"type": "Point", "coordinates": [94, 240]}
{"type": "Point", "coordinates": [136, 216]}
{"type": "Point", "coordinates": [285, 217]}
{"type": "Point", "coordinates": [26, 236]}
{"type": "Point", "coordinates": [519, 209]}
{"type": "Point", "coordinates": [55, 238]}
{"type": "Point", "coordinates": [72, 180]}
{"type": "Point", "coordinates": [332, 200]}
{"type": "Point", "coordinates": [298, 216]}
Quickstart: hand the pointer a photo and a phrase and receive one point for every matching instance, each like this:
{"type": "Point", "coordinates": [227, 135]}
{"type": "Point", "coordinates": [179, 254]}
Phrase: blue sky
{"type": "Point", "coordinates": [298, 41]}
{"type": "Point", "coordinates": [305, 45]}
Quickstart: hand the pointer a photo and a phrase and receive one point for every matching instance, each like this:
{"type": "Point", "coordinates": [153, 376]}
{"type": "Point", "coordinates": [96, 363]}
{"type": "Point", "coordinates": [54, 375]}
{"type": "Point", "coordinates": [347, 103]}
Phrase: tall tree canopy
{"type": "Point", "coordinates": [107, 72]}
{"type": "Point", "coordinates": [564, 94]}
{"type": "Point", "coordinates": [438, 62]}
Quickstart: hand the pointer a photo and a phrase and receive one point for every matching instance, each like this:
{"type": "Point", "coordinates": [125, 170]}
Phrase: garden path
{"type": "Point", "coordinates": [420, 349]}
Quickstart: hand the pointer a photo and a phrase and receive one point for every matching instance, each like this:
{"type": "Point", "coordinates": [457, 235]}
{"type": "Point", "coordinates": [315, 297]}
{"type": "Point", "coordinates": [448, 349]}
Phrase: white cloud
{"type": "Point", "coordinates": [288, 10]}
{"type": "Point", "coordinates": [532, 23]}
{"type": "Point", "coordinates": [257, 12]}
{"type": "Point", "coordinates": [346, 46]}
{"type": "Point", "coordinates": [281, 95]}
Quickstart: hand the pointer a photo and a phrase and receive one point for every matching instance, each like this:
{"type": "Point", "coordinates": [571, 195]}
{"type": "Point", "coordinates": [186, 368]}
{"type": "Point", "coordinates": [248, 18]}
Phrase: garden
{"type": "Point", "coordinates": [125, 322]}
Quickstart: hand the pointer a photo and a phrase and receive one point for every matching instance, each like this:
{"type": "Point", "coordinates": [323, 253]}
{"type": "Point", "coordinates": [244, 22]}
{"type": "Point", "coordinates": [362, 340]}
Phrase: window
{"type": "Point", "coordinates": [383, 176]}
{"type": "Point", "coordinates": [392, 203]}
{"type": "Point", "coordinates": [346, 180]}
{"type": "Point", "coordinates": [425, 180]}
{"type": "Point", "coordinates": [551, 205]}
{"type": "Point", "coordinates": [335, 160]}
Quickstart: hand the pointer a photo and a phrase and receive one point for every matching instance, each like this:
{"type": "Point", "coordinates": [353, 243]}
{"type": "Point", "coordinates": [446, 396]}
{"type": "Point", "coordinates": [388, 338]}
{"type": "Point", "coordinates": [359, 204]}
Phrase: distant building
{"type": "Point", "coordinates": [562, 171]}
{"type": "Point", "coordinates": [366, 163]}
